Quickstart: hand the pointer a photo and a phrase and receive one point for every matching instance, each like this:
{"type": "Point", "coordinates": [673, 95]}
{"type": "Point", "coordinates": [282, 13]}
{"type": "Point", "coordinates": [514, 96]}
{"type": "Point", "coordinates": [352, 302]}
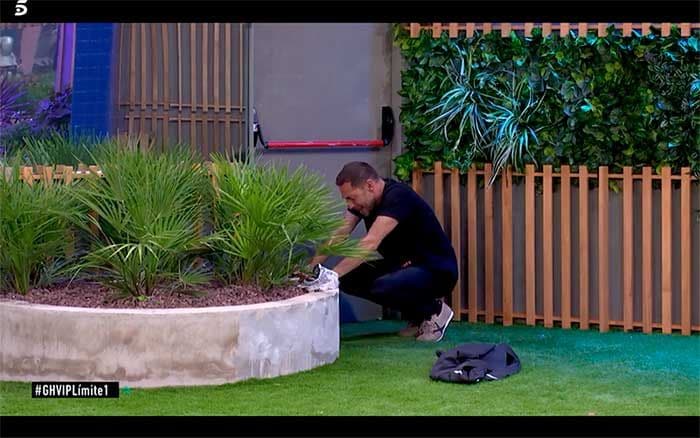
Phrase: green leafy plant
{"type": "Point", "coordinates": [147, 210]}
{"type": "Point", "coordinates": [59, 148]}
{"type": "Point", "coordinates": [34, 221]}
{"type": "Point", "coordinates": [268, 221]}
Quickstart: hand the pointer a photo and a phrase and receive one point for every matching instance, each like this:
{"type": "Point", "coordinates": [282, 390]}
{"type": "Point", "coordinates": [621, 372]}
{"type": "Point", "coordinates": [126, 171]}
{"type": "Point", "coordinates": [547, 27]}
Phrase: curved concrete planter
{"type": "Point", "coordinates": [168, 347]}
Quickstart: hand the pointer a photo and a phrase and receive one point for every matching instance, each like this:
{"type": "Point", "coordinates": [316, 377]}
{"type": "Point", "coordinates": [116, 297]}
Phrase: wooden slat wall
{"type": "Point", "coordinates": [453, 29]}
{"type": "Point", "coordinates": [483, 262]}
{"type": "Point", "coordinates": [163, 99]}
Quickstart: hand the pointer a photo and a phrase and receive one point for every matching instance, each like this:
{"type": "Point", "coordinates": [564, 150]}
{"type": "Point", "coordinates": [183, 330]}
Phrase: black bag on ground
{"type": "Point", "coordinates": [471, 363]}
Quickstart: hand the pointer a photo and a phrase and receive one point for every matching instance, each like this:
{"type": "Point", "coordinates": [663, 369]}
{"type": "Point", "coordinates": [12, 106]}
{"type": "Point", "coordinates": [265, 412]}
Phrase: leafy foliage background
{"type": "Point", "coordinates": [613, 100]}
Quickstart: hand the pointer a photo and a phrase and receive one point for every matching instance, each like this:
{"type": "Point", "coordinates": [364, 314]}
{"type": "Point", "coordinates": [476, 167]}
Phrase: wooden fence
{"type": "Point", "coordinates": [184, 83]}
{"type": "Point", "coordinates": [454, 29]}
{"type": "Point", "coordinates": [482, 264]}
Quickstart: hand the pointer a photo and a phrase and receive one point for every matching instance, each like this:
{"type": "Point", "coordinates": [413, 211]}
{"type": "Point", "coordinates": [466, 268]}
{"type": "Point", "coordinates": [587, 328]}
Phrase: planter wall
{"type": "Point", "coordinates": [168, 347]}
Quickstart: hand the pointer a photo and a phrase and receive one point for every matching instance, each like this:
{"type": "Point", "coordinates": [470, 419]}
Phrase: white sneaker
{"type": "Point", "coordinates": [325, 280]}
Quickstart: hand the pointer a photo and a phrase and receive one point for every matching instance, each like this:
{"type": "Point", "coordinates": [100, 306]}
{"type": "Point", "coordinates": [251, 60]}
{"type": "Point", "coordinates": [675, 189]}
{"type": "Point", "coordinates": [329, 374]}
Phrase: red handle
{"type": "Point", "coordinates": [324, 144]}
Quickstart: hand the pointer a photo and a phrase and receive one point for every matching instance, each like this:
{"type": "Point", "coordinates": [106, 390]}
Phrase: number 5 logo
{"type": "Point", "coordinates": [20, 8]}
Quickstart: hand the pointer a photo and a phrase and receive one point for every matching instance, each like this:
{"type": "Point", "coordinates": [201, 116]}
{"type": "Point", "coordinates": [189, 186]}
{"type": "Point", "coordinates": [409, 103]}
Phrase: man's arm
{"type": "Point", "coordinates": [377, 232]}
{"type": "Point", "coordinates": [351, 222]}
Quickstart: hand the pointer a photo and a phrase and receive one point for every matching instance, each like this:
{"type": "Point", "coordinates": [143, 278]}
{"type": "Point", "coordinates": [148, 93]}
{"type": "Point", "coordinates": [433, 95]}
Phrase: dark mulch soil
{"type": "Point", "coordinates": [95, 295]}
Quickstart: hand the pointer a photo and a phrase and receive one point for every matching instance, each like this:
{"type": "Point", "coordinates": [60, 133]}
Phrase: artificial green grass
{"type": "Point", "coordinates": [564, 372]}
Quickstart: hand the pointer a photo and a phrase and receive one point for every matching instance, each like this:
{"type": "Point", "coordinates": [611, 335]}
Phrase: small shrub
{"type": "Point", "coordinates": [268, 221]}
{"type": "Point", "coordinates": [147, 210]}
{"type": "Point", "coordinates": [34, 221]}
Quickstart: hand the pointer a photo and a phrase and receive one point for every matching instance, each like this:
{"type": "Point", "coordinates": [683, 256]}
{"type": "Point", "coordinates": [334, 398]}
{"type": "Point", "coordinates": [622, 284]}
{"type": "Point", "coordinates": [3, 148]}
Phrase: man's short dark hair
{"type": "Point", "coordinates": [356, 173]}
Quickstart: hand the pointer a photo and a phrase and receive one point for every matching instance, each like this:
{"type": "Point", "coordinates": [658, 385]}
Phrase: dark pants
{"type": "Point", "coordinates": [413, 290]}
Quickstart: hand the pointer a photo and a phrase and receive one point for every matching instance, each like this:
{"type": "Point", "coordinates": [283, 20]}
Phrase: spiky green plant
{"type": "Point", "coordinates": [59, 148]}
{"type": "Point", "coordinates": [268, 221]}
{"type": "Point", "coordinates": [34, 221]}
{"type": "Point", "coordinates": [148, 208]}
{"type": "Point", "coordinates": [508, 116]}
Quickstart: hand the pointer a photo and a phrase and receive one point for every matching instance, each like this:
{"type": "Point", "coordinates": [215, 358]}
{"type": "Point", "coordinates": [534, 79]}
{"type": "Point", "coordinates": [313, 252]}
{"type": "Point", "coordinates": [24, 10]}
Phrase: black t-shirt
{"type": "Point", "coordinates": [418, 236]}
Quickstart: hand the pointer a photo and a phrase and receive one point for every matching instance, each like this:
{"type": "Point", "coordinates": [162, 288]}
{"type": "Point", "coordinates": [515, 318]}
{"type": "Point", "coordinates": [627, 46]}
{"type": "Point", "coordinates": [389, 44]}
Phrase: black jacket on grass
{"type": "Point", "coordinates": [471, 363]}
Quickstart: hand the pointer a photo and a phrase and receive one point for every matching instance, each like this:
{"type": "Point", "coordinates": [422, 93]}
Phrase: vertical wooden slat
{"type": "Point", "coordinates": [165, 35]}
{"type": "Point", "coordinates": [685, 29]}
{"type": "Point", "coordinates": [153, 43]}
{"type": "Point", "coordinates": [507, 246]}
{"type": "Point", "coordinates": [456, 241]}
{"type": "Point", "coordinates": [47, 175]}
{"type": "Point", "coordinates": [488, 245]}
{"type": "Point", "coordinates": [28, 175]}
{"type": "Point", "coordinates": [603, 248]}
{"type": "Point", "coordinates": [565, 216]}
{"type": "Point", "coordinates": [470, 29]}
{"type": "Point", "coordinates": [602, 29]}
{"type": "Point", "coordinates": [628, 248]}
{"type": "Point", "coordinates": [227, 83]}
{"type": "Point", "coordinates": [193, 86]}
{"type": "Point", "coordinates": [564, 29]}
{"type": "Point", "coordinates": [68, 174]}
{"type": "Point", "coordinates": [528, 29]}
{"type": "Point", "coordinates": [216, 49]}
{"type": "Point", "coordinates": [453, 30]}
{"type": "Point", "coordinates": [487, 27]}
{"type": "Point", "coordinates": [142, 79]}
{"type": "Point", "coordinates": [626, 29]}
{"type": "Point", "coordinates": [472, 259]}
{"type": "Point", "coordinates": [205, 72]}
{"type": "Point", "coordinates": [547, 247]}
{"type": "Point", "coordinates": [665, 29]}
{"type": "Point", "coordinates": [546, 29]}
{"type": "Point", "coordinates": [415, 30]}
{"type": "Point", "coordinates": [646, 28]}
{"type": "Point", "coordinates": [439, 200]}
{"type": "Point", "coordinates": [583, 247]}
{"type": "Point", "coordinates": [437, 30]}
{"type": "Point", "coordinates": [132, 66]}
{"type": "Point", "coordinates": [530, 236]}
{"type": "Point", "coordinates": [240, 84]}
{"type": "Point", "coordinates": [583, 29]}
{"type": "Point", "coordinates": [686, 252]}
{"type": "Point", "coordinates": [178, 30]}
{"type": "Point", "coordinates": [647, 255]}
{"type": "Point", "coordinates": [417, 180]}
{"type": "Point", "coordinates": [505, 29]}
{"type": "Point", "coordinates": [666, 250]}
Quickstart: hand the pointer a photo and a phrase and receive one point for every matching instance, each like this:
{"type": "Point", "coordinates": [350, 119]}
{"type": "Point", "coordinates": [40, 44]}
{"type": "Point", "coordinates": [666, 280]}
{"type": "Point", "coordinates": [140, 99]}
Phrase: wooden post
{"type": "Point", "coordinates": [547, 250]}
{"type": "Point", "coordinates": [417, 180]}
{"type": "Point", "coordinates": [603, 248]}
{"type": "Point", "coordinates": [472, 259]}
{"type": "Point", "coordinates": [686, 252]}
{"type": "Point", "coordinates": [488, 245]}
{"type": "Point", "coordinates": [583, 247]}
{"type": "Point", "coordinates": [565, 216]}
{"type": "Point", "coordinates": [439, 199]}
{"type": "Point", "coordinates": [666, 250]}
{"type": "Point", "coordinates": [628, 248]}
{"type": "Point", "coordinates": [455, 206]}
{"type": "Point", "coordinates": [530, 238]}
{"type": "Point", "coordinates": [647, 255]}
{"type": "Point", "coordinates": [507, 246]}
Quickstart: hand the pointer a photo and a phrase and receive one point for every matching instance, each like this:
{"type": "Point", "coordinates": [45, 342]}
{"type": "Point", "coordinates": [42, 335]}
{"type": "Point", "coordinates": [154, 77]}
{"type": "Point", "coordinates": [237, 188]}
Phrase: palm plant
{"type": "Point", "coordinates": [34, 221]}
{"type": "Point", "coordinates": [268, 221]}
{"type": "Point", "coordinates": [59, 148]}
{"type": "Point", "coordinates": [147, 210]}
